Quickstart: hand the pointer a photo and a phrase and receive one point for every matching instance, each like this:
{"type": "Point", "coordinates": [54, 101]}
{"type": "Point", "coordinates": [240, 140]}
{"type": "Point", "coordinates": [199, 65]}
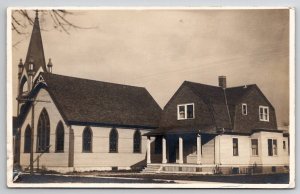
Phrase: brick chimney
{"type": "Point", "coordinates": [222, 81]}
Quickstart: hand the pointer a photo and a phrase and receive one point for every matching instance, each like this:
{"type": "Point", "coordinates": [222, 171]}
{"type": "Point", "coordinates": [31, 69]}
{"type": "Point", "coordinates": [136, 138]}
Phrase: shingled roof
{"type": "Point", "coordinates": [214, 97]}
{"type": "Point", "coordinates": [220, 102]}
{"type": "Point", "coordinates": [89, 102]}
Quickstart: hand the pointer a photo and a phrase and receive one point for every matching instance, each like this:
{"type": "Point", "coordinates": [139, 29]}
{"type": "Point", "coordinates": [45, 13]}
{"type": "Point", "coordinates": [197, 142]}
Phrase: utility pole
{"type": "Point", "coordinates": [32, 138]}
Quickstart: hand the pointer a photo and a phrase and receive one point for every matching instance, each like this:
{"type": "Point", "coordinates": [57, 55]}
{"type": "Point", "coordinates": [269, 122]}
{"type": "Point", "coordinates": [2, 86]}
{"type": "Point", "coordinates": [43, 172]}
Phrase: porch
{"type": "Point", "coordinates": [181, 153]}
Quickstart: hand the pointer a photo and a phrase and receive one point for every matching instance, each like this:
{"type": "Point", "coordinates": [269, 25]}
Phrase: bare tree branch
{"type": "Point", "coordinates": [58, 18]}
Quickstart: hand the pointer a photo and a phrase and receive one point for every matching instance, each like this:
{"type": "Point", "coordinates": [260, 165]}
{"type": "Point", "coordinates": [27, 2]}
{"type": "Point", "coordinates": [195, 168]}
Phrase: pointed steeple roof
{"type": "Point", "coordinates": [35, 51]}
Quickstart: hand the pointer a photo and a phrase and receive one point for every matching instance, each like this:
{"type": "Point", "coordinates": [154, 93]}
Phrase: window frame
{"type": "Point", "coordinates": [27, 140]}
{"type": "Point", "coordinates": [43, 133]}
{"type": "Point", "coordinates": [137, 131]}
{"type": "Point", "coordinates": [263, 113]}
{"type": "Point", "coordinates": [117, 141]}
{"type": "Point", "coordinates": [237, 146]}
{"type": "Point", "coordinates": [273, 151]}
{"type": "Point", "coordinates": [91, 141]}
{"type": "Point", "coordinates": [185, 111]}
{"type": "Point", "coordinates": [60, 124]}
{"type": "Point", "coordinates": [257, 150]}
{"type": "Point", "coordinates": [246, 108]}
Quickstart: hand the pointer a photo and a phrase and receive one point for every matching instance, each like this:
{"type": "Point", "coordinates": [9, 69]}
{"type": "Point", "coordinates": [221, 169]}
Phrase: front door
{"type": "Point", "coordinates": [173, 150]}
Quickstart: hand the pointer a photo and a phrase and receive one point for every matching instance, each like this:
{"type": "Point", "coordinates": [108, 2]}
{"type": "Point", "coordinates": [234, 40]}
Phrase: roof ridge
{"type": "Point", "coordinates": [241, 86]}
{"type": "Point", "coordinates": [86, 79]}
{"type": "Point", "coordinates": [202, 84]}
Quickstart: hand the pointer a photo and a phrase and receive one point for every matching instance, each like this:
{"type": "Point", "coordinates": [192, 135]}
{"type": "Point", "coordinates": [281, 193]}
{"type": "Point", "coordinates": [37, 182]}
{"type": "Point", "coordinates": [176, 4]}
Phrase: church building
{"type": "Point", "coordinates": [74, 124]}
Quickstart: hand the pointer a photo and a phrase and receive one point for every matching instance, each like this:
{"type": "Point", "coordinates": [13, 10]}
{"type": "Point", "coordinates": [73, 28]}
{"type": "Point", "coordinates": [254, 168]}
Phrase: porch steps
{"type": "Point", "coordinates": [151, 169]}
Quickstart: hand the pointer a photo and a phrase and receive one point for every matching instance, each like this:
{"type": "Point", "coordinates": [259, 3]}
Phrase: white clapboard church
{"type": "Point", "coordinates": [79, 124]}
{"type": "Point", "coordinates": [74, 124]}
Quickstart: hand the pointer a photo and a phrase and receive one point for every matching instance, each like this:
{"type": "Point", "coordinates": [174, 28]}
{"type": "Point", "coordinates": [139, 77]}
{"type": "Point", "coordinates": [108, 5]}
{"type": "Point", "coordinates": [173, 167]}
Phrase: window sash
{"type": "Point", "coordinates": [272, 147]}
{"type": "Point", "coordinates": [275, 147]}
{"type": "Point", "coordinates": [254, 147]}
{"type": "Point", "coordinates": [263, 113]}
{"type": "Point", "coordinates": [235, 146]}
{"type": "Point", "coordinates": [137, 142]}
{"type": "Point", "coordinates": [185, 111]}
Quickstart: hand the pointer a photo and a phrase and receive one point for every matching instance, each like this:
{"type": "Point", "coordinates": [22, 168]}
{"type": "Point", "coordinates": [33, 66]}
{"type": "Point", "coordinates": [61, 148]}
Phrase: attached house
{"type": "Point", "coordinates": [215, 129]}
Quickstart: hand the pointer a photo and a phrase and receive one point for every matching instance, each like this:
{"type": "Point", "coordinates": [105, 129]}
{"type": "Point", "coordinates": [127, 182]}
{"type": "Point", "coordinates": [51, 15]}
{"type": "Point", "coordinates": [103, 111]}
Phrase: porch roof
{"type": "Point", "coordinates": [205, 130]}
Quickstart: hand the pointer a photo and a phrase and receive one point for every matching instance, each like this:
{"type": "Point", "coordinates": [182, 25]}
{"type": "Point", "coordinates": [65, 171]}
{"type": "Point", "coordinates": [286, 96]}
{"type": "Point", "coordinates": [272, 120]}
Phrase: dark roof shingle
{"type": "Point", "coordinates": [97, 102]}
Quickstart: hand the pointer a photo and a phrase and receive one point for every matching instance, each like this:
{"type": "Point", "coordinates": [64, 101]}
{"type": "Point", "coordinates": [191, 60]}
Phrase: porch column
{"type": "Point", "coordinates": [199, 149]}
{"type": "Point", "coordinates": [180, 150]}
{"type": "Point", "coordinates": [164, 150]}
{"type": "Point", "coordinates": [148, 150]}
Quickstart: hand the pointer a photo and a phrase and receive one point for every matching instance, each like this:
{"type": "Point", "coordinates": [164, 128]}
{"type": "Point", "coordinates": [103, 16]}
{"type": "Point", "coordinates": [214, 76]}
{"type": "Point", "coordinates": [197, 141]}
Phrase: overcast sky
{"type": "Point", "coordinates": [159, 49]}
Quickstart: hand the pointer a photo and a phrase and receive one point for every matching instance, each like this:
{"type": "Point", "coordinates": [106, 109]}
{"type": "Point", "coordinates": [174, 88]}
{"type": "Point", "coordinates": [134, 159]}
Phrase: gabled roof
{"type": "Point", "coordinates": [235, 94]}
{"type": "Point", "coordinates": [220, 102]}
{"type": "Point", "coordinates": [89, 102]}
{"type": "Point", "coordinates": [215, 99]}
{"type": "Point", "coordinates": [36, 50]}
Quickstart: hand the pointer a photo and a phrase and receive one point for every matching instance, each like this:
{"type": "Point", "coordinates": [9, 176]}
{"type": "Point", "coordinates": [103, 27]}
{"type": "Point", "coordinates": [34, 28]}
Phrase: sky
{"type": "Point", "coordinates": [159, 49]}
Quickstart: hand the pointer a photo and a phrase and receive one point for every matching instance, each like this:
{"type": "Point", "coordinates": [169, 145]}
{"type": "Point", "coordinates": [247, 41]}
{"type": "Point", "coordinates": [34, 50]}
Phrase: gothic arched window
{"type": "Point", "coordinates": [87, 139]}
{"type": "Point", "coordinates": [60, 135]}
{"type": "Point", "coordinates": [137, 141]}
{"type": "Point", "coordinates": [43, 132]}
{"type": "Point", "coordinates": [27, 140]}
{"type": "Point", "coordinates": [113, 140]}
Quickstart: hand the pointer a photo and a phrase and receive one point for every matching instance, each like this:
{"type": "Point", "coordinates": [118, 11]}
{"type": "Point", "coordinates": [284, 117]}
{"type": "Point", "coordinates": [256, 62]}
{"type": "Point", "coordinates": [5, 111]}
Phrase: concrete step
{"type": "Point", "coordinates": [151, 169]}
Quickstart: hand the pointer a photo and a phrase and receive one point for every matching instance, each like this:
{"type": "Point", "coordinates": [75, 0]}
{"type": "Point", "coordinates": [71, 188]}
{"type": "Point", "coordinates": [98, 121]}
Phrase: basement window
{"type": "Point", "coordinates": [185, 111]}
{"type": "Point", "coordinates": [244, 109]}
{"type": "Point", "coordinates": [263, 113]}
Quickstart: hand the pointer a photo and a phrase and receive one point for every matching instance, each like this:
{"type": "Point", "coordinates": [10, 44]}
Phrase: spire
{"type": "Point", "coordinates": [35, 51]}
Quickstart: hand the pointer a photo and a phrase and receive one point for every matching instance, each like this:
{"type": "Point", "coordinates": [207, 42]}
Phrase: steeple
{"type": "Point", "coordinates": [35, 53]}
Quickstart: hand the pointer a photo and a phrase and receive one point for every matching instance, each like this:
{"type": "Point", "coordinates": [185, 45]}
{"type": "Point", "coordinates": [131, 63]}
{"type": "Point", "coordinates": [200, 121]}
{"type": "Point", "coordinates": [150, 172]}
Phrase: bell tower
{"type": "Point", "coordinates": [33, 64]}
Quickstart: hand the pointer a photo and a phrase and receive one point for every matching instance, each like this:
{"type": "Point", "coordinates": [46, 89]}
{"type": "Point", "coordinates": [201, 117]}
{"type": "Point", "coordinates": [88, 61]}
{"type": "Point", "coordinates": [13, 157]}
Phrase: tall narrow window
{"type": "Point", "coordinates": [185, 111]}
{"type": "Point", "coordinates": [272, 147]}
{"type": "Point", "coordinates": [254, 147]}
{"type": "Point", "coordinates": [43, 132]}
{"type": "Point", "coordinates": [87, 139]}
{"type": "Point", "coordinates": [137, 141]}
{"type": "Point", "coordinates": [27, 140]}
{"type": "Point", "coordinates": [113, 141]}
{"type": "Point", "coordinates": [60, 135]}
{"type": "Point", "coordinates": [263, 113]}
{"type": "Point", "coordinates": [275, 147]}
{"type": "Point", "coordinates": [284, 145]}
{"type": "Point", "coordinates": [235, 145]}
{"type": "Point", "coordinates": [244, 109]}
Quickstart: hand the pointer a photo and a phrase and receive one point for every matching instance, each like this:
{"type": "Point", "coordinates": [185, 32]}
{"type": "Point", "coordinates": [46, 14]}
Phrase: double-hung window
{"type": "Point", "coordinates": [272, 147]}
{"type": "Point", "coordinates": [254, 147]}
{"type": "Point", "coordinates": [185, 111]}
{"type": "Point", "coordinates": [263, 113]}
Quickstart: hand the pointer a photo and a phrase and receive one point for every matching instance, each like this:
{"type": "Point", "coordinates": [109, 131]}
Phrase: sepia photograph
{"type": "Point", "coordinates": [150, 97]}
